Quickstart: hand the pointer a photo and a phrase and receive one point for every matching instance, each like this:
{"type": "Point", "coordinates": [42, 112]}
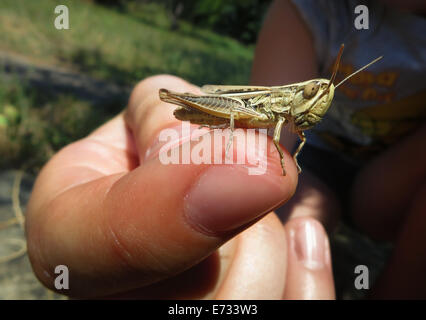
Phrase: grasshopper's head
{"type": "Point", "coordinates": [313, 98]}
{"type": "Point", "coordinates": [311, 103]}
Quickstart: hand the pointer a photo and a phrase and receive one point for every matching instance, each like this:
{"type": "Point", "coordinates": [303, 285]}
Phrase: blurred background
{"type": "Point", "coordinates": [56, 86]}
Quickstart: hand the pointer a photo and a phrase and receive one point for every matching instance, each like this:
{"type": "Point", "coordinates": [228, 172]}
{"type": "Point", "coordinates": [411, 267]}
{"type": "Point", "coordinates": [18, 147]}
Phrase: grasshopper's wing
{"type": "Point", "coordinates": [220, 89]}
{"type": "Point", "coordinates": [242, 92]}
{"type": "Point", "coordinates": [216, 105]}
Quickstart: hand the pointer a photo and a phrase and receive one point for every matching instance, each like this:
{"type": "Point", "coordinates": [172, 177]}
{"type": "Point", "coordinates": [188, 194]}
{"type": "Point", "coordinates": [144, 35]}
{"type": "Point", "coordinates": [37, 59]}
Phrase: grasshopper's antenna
{"type": "Point", "coordinates": [359, 70]}
{"type": "Point", "coordinates": [333, 76]}
{"type": "Point", "coordinates": [336, 65]}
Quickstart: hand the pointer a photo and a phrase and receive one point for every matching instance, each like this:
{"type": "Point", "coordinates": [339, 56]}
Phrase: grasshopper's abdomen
{"type": "Point", "coordinates": [255, 123]}
{"type": "Point", "coordinates": [197, 117]}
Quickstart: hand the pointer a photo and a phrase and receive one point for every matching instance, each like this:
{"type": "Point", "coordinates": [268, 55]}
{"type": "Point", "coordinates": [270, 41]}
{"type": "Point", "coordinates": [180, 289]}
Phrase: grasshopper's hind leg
{"type": "Point", "coordinates": [277, 135]}
{"type": "Point", "coordinates": [231, 135]}
{"type": "Point", "coordinates": [299, 148]}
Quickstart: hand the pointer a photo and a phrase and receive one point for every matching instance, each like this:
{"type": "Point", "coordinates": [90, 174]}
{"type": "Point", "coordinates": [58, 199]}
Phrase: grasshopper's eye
{"type": "Point", "coordinates": [310, 90]}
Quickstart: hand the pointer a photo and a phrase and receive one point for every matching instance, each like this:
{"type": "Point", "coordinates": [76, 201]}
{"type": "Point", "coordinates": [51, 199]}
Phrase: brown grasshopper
{"type": "Point", "coordinates": [301, 105]}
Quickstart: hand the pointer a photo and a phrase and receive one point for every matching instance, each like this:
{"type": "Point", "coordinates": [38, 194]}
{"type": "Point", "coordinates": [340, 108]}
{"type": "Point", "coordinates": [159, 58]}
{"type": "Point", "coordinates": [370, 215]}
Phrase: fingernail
{"type": "Point", "coordinates": [225, 198]}
{"type": "Point", "coordinates": [309, 244]}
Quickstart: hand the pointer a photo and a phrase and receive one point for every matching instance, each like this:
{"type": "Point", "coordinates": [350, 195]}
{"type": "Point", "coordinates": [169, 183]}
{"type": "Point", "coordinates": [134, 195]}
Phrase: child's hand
{"type": "Point", "coordinates": [125, 224]}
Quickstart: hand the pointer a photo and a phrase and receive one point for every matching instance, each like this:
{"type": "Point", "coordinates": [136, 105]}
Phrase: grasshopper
{"type": "Point", "coordinates": [300, 105]}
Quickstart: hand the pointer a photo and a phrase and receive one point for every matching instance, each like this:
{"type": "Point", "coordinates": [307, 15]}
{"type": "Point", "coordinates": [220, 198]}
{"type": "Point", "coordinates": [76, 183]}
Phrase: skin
{"type": "Point", "coordinates": [388, 208]}
{"type": "Point", "coordinates": [128, 226]}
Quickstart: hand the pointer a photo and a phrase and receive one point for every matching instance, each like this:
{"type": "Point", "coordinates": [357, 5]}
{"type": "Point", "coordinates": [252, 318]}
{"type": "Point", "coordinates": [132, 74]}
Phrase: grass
{"type": "Point", "coordinates": [121, 46]}
{"type": "Point", "coordinates": [118, 46]}
{"type": "Point", "coordinates": [33, 124]}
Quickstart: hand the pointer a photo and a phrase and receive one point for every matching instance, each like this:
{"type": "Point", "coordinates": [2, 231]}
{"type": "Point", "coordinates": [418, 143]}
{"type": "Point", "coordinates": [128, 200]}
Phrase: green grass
{"type": "Point", "coordinates": [34, 124]}
{"type": "Point", "coordinates": [121, 46]}
{"type": "Point", "coordinates": [118, 46]}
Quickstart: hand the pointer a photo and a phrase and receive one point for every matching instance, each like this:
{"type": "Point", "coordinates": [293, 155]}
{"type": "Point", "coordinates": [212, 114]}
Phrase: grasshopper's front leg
{"type": "Point", "coordinates": [277, 135]}
{"type": "Point", "coordinates": [299, 148]}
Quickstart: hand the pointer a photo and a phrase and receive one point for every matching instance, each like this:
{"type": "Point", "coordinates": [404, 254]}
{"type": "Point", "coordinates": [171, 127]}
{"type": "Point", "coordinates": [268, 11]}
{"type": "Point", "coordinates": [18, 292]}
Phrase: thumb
{"type": "Point", "coordinates": [118, 232]}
